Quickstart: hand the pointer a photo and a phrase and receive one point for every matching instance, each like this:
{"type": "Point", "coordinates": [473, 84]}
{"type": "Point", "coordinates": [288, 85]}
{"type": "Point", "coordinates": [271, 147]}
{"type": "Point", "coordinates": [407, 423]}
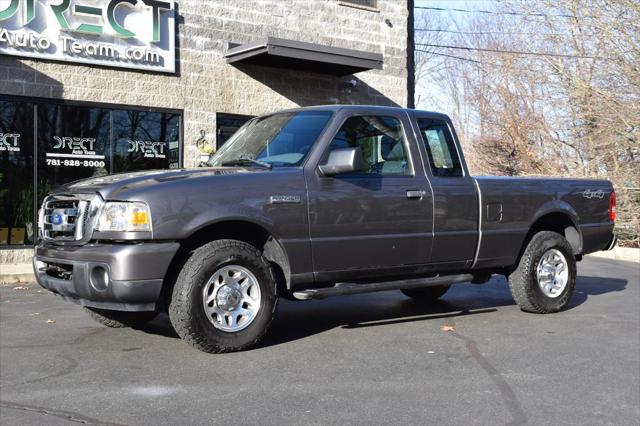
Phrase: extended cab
{"type": "Point", "coordinates": [311, 203]}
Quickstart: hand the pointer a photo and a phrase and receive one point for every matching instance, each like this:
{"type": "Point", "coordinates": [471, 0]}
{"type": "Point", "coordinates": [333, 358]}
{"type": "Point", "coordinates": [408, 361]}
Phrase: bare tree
{"type": "Point", "coordinates": [547, 87]}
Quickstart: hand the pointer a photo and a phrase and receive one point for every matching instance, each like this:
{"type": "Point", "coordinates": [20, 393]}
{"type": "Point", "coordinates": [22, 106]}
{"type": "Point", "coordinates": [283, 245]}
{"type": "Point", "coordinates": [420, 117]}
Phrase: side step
{"type": "Point", "coordinates": [342, 289]}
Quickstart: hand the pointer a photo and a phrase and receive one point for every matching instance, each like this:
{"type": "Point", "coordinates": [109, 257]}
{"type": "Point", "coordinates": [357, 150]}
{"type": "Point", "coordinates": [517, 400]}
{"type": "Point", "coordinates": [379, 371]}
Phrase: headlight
{"type": "Point", "coordinates": [124, 217]}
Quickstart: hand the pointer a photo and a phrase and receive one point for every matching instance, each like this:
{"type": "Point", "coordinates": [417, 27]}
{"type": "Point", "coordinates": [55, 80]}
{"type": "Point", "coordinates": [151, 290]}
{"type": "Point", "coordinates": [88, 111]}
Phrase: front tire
{"type": "Point", "coordinates": [120, 319]}
{"type": "Point", "coordinates": [224, 298]}
{"type": "Point", "coordinates": [545, 278]}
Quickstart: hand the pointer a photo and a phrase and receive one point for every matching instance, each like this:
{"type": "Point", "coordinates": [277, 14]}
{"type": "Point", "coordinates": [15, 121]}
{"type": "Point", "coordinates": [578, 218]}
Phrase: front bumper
{"type": "Point", "coordinates": [125, 277]}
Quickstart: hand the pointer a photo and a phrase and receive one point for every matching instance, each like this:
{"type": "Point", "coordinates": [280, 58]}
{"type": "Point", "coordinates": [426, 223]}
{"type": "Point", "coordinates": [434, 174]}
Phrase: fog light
{"type": "Point", "coordinates": [99, 278]}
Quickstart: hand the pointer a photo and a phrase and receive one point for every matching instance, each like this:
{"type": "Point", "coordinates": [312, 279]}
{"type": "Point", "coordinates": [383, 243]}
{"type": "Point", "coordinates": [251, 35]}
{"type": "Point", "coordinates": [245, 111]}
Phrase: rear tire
{"type": "Point", "coordinates": [120, 319]}
{"type": "Point", "coordinates": [224, 298]}
{"type": "Point", "coordinates": [545, 278]}
{"type": "Point", "coordinates": [426, 293]}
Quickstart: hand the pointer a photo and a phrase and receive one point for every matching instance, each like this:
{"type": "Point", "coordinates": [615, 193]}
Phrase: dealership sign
{"type": "Point", "coordinates": [138, 34]}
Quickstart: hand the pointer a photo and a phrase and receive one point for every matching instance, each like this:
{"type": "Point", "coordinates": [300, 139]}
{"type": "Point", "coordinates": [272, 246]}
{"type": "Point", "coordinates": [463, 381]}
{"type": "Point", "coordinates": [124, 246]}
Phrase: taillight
{"type": "Point", "coordinates": [612, 206]}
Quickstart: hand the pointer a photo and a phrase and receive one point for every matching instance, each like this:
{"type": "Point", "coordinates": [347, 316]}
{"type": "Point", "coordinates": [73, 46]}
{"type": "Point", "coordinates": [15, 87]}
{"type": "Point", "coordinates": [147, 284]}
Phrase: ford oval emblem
{"type": "Point", "coordinates": [56, 219]}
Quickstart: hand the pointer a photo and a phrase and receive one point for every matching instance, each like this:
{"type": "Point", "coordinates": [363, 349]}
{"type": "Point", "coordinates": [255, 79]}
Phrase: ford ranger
{"type": "Point", "coordinates": [306, 204]}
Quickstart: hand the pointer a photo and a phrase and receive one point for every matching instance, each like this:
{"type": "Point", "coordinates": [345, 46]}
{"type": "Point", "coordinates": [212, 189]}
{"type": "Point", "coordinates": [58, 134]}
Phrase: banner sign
{"type": "Point", "coordinates": [138, 34]}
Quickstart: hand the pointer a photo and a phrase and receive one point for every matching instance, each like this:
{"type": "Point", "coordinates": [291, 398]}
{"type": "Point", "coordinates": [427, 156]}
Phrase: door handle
{"type": "Point", "coordinates": [414, 194]}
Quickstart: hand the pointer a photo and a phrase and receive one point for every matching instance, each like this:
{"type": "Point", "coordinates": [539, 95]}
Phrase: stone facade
{"type": "Point", "coordinates": [205, 84]}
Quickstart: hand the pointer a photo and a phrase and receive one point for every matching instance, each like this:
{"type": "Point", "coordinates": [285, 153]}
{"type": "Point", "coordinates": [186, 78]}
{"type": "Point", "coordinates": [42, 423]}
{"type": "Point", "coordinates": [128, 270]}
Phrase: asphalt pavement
{"type": "Point", "coordinates": [381, 358]}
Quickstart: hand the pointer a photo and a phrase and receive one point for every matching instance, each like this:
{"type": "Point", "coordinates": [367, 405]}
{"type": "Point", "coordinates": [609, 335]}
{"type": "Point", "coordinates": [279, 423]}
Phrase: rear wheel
{"type": "Point", "coordinates": [426, 293]}
{"type": "Point", "coordinates": [224, 298]}
{"type": "Point", "coordinates": [120, 319]}
{"type": "Point", "coordinates": [545, 278]}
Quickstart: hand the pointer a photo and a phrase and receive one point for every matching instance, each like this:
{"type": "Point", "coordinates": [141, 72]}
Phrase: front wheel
{"type": "Point", "coordinates": [224, 298]}
{"type": "Point", "coordinates": [545, 278]}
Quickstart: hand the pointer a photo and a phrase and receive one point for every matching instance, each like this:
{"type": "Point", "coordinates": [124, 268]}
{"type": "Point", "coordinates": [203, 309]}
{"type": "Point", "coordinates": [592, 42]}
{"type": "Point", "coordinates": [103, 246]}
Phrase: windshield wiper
{"type": "Point", "coordinates": [248, 162]}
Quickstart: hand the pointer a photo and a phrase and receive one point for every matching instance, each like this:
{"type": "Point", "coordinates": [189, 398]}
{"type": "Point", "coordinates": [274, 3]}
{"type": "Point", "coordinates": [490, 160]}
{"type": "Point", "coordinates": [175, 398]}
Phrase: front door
{"type": "Point", "coordinates": [377, 218]}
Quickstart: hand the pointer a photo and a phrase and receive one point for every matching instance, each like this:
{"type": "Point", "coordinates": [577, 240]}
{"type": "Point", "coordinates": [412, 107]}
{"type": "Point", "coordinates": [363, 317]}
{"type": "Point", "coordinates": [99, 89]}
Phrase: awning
{"type": "Point", "coordinates": [291, 54]}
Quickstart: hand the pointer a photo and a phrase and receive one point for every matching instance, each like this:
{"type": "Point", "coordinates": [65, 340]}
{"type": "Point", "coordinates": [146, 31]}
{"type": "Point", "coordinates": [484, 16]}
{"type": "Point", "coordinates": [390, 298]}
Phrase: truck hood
{"type": "Point", "coordinates": [109, 185]}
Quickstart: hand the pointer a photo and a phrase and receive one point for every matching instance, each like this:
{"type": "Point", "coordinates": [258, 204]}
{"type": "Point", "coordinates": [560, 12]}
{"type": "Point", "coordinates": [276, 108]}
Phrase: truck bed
{"type": "Point", "coordinates": [511, 204]}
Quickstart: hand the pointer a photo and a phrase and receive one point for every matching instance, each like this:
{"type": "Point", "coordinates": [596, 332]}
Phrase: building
{"type": "Point", "coordinates": [92, 87]}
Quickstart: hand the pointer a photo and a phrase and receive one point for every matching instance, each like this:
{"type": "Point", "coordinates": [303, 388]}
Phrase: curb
{"type": "Point", "coordinates": [628, 254]}
{"type": "Point", "coordinates": [17, 273]}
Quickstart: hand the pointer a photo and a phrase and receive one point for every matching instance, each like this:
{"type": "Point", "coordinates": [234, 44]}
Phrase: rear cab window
{"type": "Point", "coordinates": [444, 160]}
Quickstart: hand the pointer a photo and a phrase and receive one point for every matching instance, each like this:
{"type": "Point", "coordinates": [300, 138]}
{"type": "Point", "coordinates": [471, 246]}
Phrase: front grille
{"type": "Point", "coordinates": [65, 218]}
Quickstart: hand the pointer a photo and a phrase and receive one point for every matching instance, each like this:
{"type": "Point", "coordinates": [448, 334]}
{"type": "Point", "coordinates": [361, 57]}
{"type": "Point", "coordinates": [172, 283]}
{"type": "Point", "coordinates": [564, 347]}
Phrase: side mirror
{"type": "Point", "coordinates": [343, 160]}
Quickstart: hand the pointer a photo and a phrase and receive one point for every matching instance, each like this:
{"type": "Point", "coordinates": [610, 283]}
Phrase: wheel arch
{"type": "Point", "coordinates": [560, 218]}
{"type": "Point", "coordinates": [256, 234]}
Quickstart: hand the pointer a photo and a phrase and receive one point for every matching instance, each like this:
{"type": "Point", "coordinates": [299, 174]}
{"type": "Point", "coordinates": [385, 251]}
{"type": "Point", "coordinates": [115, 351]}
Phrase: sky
{"type": "Point", "coordinates": [430, 96]}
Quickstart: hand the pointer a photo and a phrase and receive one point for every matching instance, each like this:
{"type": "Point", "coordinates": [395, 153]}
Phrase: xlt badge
{"type": "Point", "coordinates": [285, 199]}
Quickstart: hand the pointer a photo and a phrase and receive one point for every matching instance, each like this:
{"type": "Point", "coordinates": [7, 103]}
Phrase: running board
{"type": "Point", "coordinates": [342, 289]}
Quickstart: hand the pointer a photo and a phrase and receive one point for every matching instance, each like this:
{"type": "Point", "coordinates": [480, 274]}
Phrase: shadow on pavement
{"type": "Point", "coordinates": [594, 286]}
{"type": "Point", "coordinates": [297, 320]}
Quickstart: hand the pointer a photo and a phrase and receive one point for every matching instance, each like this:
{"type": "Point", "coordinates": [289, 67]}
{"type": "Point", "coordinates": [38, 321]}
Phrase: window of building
{"type": "Point", "coordinates": [16, 173]}
{"type": "Point", "coordinates": [441, 148]}
{"type": "Point", "coordinates": [381, 141]}
{"type": "Point", "coordinates": [227, 125]}
{"type": "Point", "coordinates": [145, 140]}
{"type": "Point", "coordinates": [72, 143]}
{"type": "Point", "coordinates": [361, 4]}
{"type": "Point", "coordinates": [45, 144]}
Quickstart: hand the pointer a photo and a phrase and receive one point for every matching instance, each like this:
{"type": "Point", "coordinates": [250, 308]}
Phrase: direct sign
{"type": "Point", "coordinates": [138, 34]}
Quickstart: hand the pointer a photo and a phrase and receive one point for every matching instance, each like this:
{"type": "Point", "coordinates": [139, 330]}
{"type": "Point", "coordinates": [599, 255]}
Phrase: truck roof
{"type": "Point", "coordinates": [356, 108]}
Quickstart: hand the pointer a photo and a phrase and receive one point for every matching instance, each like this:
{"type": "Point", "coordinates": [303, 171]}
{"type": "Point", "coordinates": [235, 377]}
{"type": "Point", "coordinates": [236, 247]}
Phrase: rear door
{"type": "Point", "coordinates": [455, 202]}
{"type": "Point", "coordinates": [379, 218]}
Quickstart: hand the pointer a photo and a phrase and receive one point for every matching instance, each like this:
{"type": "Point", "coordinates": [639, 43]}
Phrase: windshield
{"type": "Point", "coordinates": [278, 140]}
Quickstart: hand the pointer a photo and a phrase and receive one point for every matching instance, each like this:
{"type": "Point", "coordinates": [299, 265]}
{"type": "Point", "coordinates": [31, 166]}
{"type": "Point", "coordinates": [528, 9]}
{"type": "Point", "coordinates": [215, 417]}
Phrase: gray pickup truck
{"type": "Point", "coordinates": [310, 203]}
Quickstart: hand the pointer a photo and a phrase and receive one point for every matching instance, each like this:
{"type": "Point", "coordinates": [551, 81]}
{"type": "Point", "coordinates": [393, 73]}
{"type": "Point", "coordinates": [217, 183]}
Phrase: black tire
{"type": "Point", "coordinates": [523, 282]}
{"type": "Point", "coordinates": [120, 319]}
{"type": "Point", "coordinates": [186, 310]}
{"type": "Point", "coordinates": [426, 293]}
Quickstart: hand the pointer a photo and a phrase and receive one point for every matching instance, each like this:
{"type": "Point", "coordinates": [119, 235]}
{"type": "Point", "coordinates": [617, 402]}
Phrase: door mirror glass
{"type": "Point", "coordinates": [343, 160]}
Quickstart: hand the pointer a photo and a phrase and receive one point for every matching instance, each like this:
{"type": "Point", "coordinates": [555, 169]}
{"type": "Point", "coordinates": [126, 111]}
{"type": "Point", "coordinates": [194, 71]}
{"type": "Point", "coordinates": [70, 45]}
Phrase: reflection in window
{"type": "Point", "coordinates": [145, 140]}
{"type": "Point", "coordinates": [381, 141]}
{"type": "Point", "coordinates": [282, 139]}
{"type": "Point", "coordinates": [73, 143]}
{"type": "Point", "coordinates": [16, 173]}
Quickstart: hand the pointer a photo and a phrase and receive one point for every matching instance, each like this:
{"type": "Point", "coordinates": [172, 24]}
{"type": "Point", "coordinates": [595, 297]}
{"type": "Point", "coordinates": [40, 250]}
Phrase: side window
{"type": "Point", "coordinates": [381, 140]}
{"type": "Point", "coordinates": [443, 156]}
